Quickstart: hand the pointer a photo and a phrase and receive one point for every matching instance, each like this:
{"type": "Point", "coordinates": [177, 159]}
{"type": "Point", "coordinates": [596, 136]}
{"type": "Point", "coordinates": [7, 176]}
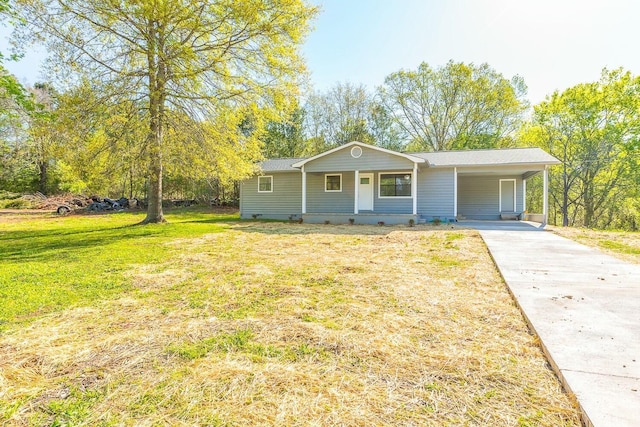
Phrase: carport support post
{"type": "Point", "coordinates": [545, 195]}
{"type": "Point", "coordinates": [304, 191]}
{"type": "Point", "coordinates": [524, 194]}
{"type": "Point", "coordinates": [355, 201]}
{"type": "Point", "coordinates": [455, 193]}
{"type": "Point", "coordinates": [414, 188]}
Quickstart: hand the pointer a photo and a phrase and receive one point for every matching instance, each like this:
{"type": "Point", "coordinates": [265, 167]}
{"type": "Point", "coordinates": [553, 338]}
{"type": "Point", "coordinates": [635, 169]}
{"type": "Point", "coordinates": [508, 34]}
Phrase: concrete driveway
{"type": "Point", "coordinates": [585, 307]}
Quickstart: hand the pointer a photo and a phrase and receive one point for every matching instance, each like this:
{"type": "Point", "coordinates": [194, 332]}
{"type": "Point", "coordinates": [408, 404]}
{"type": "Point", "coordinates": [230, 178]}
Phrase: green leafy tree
{"type": "Point", "coordinates": [457, 106]}
{"type": "Point", "coordinates": [594, 129]}
{"type": "Point", "coordinates": [205, 59]}
{"type": "Point", "coordinates": [285, 138]}
{"type": "Point", "coordinates": [17, 171]}
{"type": "Point", "coordinates": [384, 129]}
{"type": "Point", "coordinates": [338, 116]}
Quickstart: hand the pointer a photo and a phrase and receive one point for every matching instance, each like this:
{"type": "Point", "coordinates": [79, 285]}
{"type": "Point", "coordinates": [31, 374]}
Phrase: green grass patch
{"type": "Point", "coordinates": [225, 342]}
{"type": "Point", "coordinates": [51, 263]}
{"type": "Point", "coordinates": [619, 247]}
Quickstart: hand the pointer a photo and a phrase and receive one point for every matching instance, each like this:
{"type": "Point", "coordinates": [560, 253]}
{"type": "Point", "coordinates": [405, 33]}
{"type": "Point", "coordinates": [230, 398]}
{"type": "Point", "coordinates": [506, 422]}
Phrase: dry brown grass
{"type": "Point", "coordinates": [279, 324]}
{"type": "Point", "coordinates": [622, 244]}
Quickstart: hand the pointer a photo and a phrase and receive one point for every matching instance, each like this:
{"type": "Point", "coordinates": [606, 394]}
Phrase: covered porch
{"type": "Point", "coordinates": [360, 183]}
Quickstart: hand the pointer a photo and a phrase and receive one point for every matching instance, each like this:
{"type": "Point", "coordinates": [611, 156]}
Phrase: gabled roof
{"type": "Point", "coordinates": [492, 157]}
{"type": "Point", "coordinates": [410, 157]}
{"type": "Point", "coordinates": [280, 165]}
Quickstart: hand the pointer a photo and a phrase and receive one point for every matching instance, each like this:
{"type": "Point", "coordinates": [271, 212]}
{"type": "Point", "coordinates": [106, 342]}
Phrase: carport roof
{"type": "Point", "coordinates": [505, 156]}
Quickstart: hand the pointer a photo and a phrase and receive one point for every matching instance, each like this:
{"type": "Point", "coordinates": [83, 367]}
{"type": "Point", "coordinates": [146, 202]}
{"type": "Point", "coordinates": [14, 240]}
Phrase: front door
{"type": "Point", "coordinates": [365, 192]}
{"type": "Point", "coordinates": [507, 195]}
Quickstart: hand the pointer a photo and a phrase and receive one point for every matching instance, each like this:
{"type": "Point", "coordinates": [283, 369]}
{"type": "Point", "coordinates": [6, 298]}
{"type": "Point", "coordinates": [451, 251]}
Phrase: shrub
{"type": "Point", "coordinates": [16, 204]}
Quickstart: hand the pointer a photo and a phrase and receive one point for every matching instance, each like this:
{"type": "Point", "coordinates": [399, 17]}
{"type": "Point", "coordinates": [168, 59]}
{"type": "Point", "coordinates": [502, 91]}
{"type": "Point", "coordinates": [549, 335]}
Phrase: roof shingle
{"type": "Point", "coordinates": [505, 156]}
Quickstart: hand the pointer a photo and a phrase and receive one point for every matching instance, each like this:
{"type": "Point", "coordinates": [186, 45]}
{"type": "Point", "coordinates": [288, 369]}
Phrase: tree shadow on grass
{"type": "Point", "coordinates": [29, 246]}
{"type": "Point", "coordinates": [42, 245]}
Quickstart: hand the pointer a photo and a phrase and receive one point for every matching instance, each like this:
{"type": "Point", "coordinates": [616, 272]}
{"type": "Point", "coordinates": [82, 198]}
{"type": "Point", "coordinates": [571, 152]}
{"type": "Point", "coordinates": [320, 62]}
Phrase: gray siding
{"type": "Point", "coordinates": [392, 206]}
{"type": "Point", "coordinates": [370, 160]}
{"type": "Point", "coordinates": [479, 196]}
{"type": "Point", "coordinates": [319, 201]}
{"type": "Point", "coordinates": [435, 192]}
{"type": "Point", "coordinates": [285, 200]}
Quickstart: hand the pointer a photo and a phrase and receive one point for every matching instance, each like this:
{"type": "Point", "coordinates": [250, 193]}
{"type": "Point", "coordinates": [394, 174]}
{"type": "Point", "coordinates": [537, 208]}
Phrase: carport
{"type": "Point", "coordinates": [492, 184]}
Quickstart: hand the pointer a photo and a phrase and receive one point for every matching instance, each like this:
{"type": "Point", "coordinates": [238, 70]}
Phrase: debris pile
{"type": "Point", "coordinates": [96, 204]}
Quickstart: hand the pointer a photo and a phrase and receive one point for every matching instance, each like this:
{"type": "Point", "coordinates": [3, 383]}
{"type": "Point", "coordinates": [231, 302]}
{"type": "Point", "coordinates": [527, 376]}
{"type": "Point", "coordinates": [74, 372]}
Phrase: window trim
{"type": "Point", "coordinates": [271, 186]}
{"type": "Point", "coordinates": [325, 182]}
{"type": "Point", "coordinates": [410, 173]}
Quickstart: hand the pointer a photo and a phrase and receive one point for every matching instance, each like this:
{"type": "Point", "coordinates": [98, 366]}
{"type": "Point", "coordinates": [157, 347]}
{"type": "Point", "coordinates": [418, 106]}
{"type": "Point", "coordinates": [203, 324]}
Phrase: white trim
{"type": "Point", "coordinates": [362, 145]}
{"type": "Point", "coordinates": [304, 191]}
{"type": "Point", "coordinates": [545, 195]}
{"type": "Point", "coordinates": [271, 186]}
{"type": "Point", "coordinates": [515, 204]}
{"type": "Point", "coordinates": [524, 195]}
{"type": "Point", "coordinates": [356, 180]}
{"type": "Point", "coordinates": [455, 192]}
{"type": "Point", "coordinates": [325, 183]}
{"type": "Point", "coordinates": [395, 173]}
{"type": "Point", "coordinates": [414, 188]}
{"type": "Point", "coordinates": [356, 149]}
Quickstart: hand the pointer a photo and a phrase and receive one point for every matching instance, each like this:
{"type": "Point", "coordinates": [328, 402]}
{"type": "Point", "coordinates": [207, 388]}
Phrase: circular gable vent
{"type": "Point", "coordinates": [356, 152]}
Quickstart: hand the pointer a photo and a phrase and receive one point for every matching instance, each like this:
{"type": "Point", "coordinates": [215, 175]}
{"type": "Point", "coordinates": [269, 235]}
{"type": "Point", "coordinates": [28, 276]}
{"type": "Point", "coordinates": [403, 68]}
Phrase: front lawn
{"type": "Point", "coordinates": [214, 321]}
{"type": "Point", "coordinates": [622, 244]}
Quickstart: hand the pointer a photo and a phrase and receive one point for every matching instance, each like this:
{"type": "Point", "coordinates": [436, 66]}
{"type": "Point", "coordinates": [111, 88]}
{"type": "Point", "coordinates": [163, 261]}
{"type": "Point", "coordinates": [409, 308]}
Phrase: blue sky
{"type": "Point", "coordinates": [552, 44]}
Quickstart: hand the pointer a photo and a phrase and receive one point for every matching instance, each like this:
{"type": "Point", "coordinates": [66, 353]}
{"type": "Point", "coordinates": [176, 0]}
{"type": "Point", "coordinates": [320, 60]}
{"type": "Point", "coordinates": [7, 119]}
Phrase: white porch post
{"type": "Point", "coordinates": [304, 191]}
{"type": "Point", "coordinates": [355, 201]}
{"type": "Point", "coordinates": [545, 196]}
{"type": "Point", "coordinates": [524, 195]}
{"type": "Point", "coordinates": [414, 188]}
{"type": "Point", "coordinates": [455, 193]}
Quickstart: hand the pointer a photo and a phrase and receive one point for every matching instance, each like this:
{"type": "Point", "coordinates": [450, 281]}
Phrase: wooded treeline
{"type": "Point", "coordinates": [183, 98]}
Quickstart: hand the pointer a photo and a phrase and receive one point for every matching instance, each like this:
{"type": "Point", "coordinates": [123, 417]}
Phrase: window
{"type": "Point", "coordinates": [395, 185]}
{"type": "Point", "coordinates": [265, 184]}
{"type": "Point", "coordinates": [333, 182]}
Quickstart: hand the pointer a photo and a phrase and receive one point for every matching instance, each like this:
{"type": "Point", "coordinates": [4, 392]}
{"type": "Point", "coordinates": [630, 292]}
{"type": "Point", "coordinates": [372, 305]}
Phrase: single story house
{"type": "Point", "coordinates": [368, 184]}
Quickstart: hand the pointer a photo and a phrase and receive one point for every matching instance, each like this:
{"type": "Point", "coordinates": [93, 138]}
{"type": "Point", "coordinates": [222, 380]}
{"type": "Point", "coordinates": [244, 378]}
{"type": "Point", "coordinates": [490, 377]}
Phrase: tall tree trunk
{"type": "Point", "coordinates": [154, 209]}
{"type": "Point", "coordinates": [42, 177]}
{"type": "Point", "coordinates": [565, 197]}
{"type": "Point", "coordinates": [588, 201]}
{"type": "Point", "coordinates": [156, 111]}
